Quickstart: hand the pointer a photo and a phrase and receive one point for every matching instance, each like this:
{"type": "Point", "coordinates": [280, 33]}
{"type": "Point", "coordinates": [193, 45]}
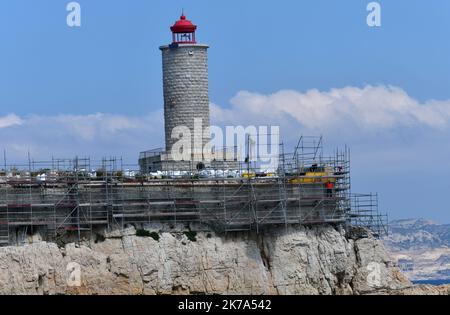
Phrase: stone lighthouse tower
{"type": "Point", "coordinates": [185, 82]}
{"type": "Point", "coordinates": [186, 107]}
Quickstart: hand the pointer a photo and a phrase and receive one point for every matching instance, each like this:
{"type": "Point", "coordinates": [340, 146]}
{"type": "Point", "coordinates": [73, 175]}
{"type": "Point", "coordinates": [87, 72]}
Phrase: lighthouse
{"type": "Point", "coordinates": [186, 103]}
{"type": "Point", "coordinates": [185, 88]}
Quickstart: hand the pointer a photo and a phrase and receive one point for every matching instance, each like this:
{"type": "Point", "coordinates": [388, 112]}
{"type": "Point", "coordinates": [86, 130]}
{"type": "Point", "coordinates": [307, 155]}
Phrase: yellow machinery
{"type": "Point", "coordinates": [321, 175]}
{"type": "Point", "coordinates": [248, 175]}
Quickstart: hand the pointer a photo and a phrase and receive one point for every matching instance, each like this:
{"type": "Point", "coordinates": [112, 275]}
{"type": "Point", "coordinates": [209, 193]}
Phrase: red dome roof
{"type": "Point", "coordinates": [183, 26]}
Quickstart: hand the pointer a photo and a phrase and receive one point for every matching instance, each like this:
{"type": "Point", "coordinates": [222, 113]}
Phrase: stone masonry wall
{"type": "Point", "coordinates": [185, 81]}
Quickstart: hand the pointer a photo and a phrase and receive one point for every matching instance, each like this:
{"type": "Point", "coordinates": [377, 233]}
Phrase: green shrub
{"type": "Point", "coordinates": [145, 233]}
{"type": "Point", "coordinates": [155, 236]}
{"type": "Point", "coordinates": [99, 238]}
{"type": "Point", "coordinates": [191, 235]}
{"type": "Point", "coordinates": [142, 233]}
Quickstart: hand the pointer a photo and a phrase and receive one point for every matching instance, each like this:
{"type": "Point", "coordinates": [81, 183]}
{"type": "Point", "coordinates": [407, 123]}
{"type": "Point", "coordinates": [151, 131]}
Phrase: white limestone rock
{"type": "Point", "coordinates": [300, 260]}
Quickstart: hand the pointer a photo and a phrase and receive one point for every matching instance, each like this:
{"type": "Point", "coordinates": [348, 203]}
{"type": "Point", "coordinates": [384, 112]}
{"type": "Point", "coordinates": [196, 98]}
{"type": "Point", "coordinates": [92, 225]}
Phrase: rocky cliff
{"type": "Point", "coordinates": [300, 260]}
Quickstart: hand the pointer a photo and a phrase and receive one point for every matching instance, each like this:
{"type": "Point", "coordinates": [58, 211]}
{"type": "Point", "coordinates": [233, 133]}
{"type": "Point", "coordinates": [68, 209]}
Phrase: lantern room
{"type": "Point", "coordinates": [183, 31]}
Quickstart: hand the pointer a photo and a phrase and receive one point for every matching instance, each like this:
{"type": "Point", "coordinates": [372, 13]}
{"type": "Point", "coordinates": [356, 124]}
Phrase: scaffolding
{"type": "Point", "coordinates": [365, 213]}
{"type": "Point", "coordinates": [79, 195]}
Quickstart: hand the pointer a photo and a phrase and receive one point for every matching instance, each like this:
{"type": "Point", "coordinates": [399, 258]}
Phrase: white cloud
{"type": "Point", "coordinates": [349, 115]}
{"type": "Point", "coordinates": [383, 125]}
{"type": "Point", "coordinates": [10, 120]}
{"type": "Point", "coordinates": [369, 108]}
{"type": "Point", "coordinates": [96, 135]}
{"type": "Point", "coordinates": [90, 127]}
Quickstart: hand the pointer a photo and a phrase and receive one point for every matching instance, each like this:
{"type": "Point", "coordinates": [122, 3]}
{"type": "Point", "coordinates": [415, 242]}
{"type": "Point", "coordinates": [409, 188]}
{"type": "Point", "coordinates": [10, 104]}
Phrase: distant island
{"type": "Point", "coordinates": [421, 249]}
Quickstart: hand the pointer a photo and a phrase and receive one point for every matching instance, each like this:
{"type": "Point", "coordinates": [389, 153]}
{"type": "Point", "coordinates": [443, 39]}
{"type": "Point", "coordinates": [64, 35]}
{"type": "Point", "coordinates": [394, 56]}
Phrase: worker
{"type": "Point", "coordinates": [329, 186]}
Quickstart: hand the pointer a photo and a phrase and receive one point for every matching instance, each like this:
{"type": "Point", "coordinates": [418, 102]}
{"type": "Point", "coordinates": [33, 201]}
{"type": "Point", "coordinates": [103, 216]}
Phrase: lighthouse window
{"type": "Point", "coordinates": [184, 37]}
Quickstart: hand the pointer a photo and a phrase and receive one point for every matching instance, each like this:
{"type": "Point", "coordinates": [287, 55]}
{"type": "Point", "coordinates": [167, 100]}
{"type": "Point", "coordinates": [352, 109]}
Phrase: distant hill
{"type": "Point", "coordinates": [421, 248]}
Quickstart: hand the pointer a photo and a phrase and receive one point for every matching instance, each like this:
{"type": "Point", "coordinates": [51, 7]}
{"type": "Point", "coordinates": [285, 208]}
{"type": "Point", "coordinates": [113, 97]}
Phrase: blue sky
{"type": "Point", "coordinates": [97, 89]}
